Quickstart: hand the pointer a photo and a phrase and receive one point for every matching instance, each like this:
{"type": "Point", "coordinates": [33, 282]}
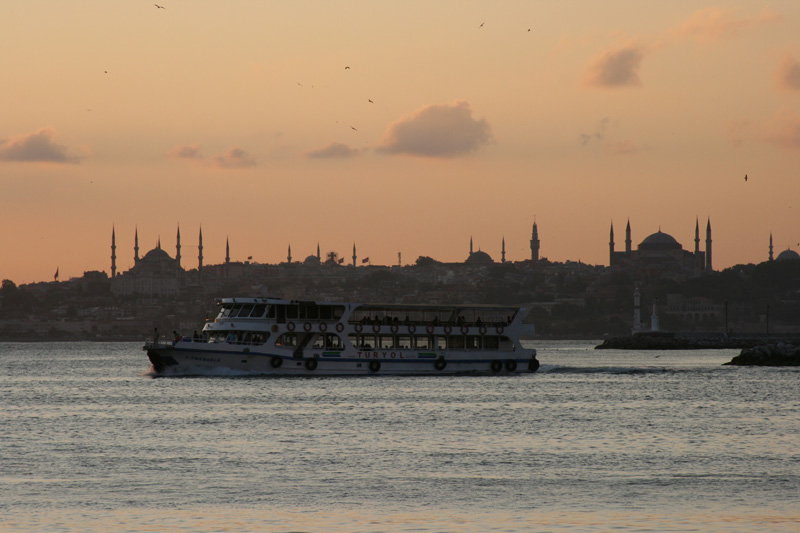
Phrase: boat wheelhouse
{"type": "Point", "coordinates": [305, 338]}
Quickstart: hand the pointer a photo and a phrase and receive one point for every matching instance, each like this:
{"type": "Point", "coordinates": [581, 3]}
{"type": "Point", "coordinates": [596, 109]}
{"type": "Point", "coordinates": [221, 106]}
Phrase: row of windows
{"type": "Point", "coordinates": [332, 341]}
{"type": "Point", "coordinates": [300, 311]}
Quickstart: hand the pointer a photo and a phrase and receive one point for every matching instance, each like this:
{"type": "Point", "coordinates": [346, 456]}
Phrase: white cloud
{"type": "Point", "coordinates": [715, 23]}
{"type": "Point", "coordinates": [788, 74]}
{"type": "Point", "coordinates": [439, 130]}
{"type": "Point", "coordinates": [333, 150]}
{"type": "Point", "coordinates": [40, 146]}
{"type": "Point", "coordinates": [234, 158]}
{"type": "Point", "coordinates": [186, 152]}
{"type": "Point", "coordinates": [616, 68]}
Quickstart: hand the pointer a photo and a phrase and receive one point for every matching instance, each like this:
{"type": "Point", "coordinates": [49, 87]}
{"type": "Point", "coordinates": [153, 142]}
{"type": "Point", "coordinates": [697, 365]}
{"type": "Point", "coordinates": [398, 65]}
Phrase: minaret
{"type": "Point", "coordinates": [178, 247]}
{"type": "Point", "coordinates": [227, 250]}
{"type": "Point", "coordinates": [319, 257]}
{"type": "Point", "coordinates": [535, 242]}
{"type": "Point", "coordinates": [709, 268]}
{"type": "Point", "coordinates": [628, 239]}
{"type": "Point", "coordinates": [503, 251]}
{"type": "Point", "coordinates": [289, 257]}
{"type": "Point", "coordinates": [200, 251]}
{"type": "Point", "coordinates": [354, 254]}
{"type": "Point", "coordinates": [654, 325]}
{"type": "Point", "coordinates": [770, 246]}
{"type": "Point", "coordinates": [637, 311]}
{"type": "Point", "coordinates": [611, 246]}
{"type": "Point", "coordinates": [113, 253]}
{"type": "Point", "coordinates": [470, 245]}
{"type": "Point", "coordinates": [698, 259]}
{"type": "Point", "coordinates": [136, 246]}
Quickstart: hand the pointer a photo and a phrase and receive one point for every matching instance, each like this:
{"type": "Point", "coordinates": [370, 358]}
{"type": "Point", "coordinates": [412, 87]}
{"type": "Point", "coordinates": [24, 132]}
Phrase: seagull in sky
{"type": "Point", "coordinates": [159, 7]}
{"type": "Point", "coordinates": [347, 68]}
{"type": "Point", "coordinates": [352, 128]}
{"type": "Point", "coordinates": [745, 177]}
{"type": "Point", "coordinates": [370, 101]}
{"type": "Point", "coordinates": [482, 23]}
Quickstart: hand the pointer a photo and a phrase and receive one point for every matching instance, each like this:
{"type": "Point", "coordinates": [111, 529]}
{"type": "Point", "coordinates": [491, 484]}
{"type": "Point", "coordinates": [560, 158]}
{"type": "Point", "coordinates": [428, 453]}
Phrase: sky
{"type": "Point", "coordinates": [403, 127]}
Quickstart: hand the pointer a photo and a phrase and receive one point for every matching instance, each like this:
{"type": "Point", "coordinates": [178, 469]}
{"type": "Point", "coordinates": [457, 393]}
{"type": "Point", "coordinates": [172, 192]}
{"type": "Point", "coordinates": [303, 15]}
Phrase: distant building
{"type": "Point", "coordinates": [660, 256]}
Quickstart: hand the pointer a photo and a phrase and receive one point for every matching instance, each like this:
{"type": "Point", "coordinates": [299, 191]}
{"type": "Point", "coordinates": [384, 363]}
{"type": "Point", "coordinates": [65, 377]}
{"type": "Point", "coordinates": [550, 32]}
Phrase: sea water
{"type": "Point", "coordinates": [596, 440]}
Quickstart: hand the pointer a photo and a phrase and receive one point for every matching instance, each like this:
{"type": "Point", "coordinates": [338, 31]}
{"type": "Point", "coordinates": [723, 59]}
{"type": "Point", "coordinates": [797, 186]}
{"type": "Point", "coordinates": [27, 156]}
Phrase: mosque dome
{"type": "Point", "coordinates": [479, 258]}
{"type": "Point", "coordinates": [788, 255]}
{"type": "Point", "coordinates": [311, 260]}
{"type": "Point", "coordinates": [156, 254]}
{"type": "Point", "coordinates": [660, 241]}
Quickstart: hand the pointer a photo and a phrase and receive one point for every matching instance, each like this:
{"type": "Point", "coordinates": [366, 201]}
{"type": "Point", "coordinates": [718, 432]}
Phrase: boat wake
{"type": "Point", "coordinates": [555, 369]}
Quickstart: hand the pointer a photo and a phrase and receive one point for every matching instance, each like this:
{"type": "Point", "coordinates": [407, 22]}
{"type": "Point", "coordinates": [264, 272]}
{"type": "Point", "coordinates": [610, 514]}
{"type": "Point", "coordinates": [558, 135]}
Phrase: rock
{"type": "Point", "coordinates": [780, 354]}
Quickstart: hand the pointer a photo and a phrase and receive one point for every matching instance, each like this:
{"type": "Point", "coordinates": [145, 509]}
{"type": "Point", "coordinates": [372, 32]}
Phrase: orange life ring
{"type": "Point", "coordinates": [290, 326]}
{"type": "Point", "coordinates": [307, 326]}
{"type": "Point", "coordinates": [340, 327]}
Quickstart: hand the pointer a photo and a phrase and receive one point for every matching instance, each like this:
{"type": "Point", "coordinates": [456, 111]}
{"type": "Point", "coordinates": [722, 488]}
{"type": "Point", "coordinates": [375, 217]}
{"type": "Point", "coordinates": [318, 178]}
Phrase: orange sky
{"type": "Point", "coordinates": [455, 119]}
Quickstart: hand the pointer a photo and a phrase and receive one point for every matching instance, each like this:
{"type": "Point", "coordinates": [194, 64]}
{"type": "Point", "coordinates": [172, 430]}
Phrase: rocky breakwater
{"type": "Point", "coordinates": [780, 354]}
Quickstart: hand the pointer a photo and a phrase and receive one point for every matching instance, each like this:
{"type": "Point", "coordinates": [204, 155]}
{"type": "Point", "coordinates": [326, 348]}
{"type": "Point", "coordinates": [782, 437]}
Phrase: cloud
{"type": "Point", "coordinates": [788, 74]}
{"type": "Point", "coordinates": [443, 130]}
{"type": "Point", "coordinates": [599, 132]}
{"type": "Point", "coordinates": [616, 68]}
{"type": "Point", "coordinates": [234, 158]}
{"type": "Point", "coordinates": [40, 146]}
{"type": "Point", "coordinates": [186, 152]}
{"type": "Point", "coordinates": [715, 23]}
{"type": "Point", "coordinates": [333, 150]}
{"type": "Point", "coordinates": [784, 130]}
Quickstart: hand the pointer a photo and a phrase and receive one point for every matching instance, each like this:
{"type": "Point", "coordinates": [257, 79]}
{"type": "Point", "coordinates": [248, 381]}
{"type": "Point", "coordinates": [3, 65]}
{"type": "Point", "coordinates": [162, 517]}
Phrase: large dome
{"type": "Point", "coordinates": [479, 258]}
{"type": "Point", "coordinates": [660, 241]}
{"type": "Point", "coordinates": [156, 254]}
{"type": "Point", "coordinates": [788, 255]}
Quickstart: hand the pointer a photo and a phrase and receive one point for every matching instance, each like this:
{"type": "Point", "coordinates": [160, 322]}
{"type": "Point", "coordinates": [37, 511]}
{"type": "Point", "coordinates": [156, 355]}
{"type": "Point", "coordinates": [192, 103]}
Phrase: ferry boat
{"type": "Point", "coordinates": [269, 336]}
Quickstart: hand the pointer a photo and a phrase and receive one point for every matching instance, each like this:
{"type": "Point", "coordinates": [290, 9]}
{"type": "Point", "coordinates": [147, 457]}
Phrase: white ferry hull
{"type": "Point", "coordinates": [179, 361]}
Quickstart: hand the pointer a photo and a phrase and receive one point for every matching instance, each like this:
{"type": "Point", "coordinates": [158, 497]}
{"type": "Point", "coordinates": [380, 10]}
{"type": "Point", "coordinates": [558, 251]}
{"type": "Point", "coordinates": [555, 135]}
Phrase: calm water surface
{"type": "Point", "coordinates": [595, 441]}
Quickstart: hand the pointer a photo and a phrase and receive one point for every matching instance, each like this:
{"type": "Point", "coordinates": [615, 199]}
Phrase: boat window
{"type": "Point", "coordinates": [473, 342]}
{"type": "Point", "coordinates": [404, 342]}
{"type": "Point", "coordinates": [258, 311]}
{"type": "Point", "coordinates": [455, 342]}
{"type": "Point", "coordinates": [491, 342]}
{"type": "Point", "coordinates": [271, 311]}
{"type": "Point", "coordinates": [333, 342]}
{"type": "Point", "coordinates": [422, 342]}
{"type": "Point", "coordinates": [441, 342]}
{"type": "Point", "coordinates": [259, 338]}
{"type": "Point", "coordinates": [366, 341]}
{"type": "Point", "coordinates": [292, 312]}
{"type": "Point", "coordinates": [386, 341]}
{"type": "Point", "coordinates": [319, 342]}
{"type": "Point", "coordinates": [287, 339]}
{"type": "Point", "coordinates": [244, 312]}
{"type": "Point", "coordinates": [224, 311]}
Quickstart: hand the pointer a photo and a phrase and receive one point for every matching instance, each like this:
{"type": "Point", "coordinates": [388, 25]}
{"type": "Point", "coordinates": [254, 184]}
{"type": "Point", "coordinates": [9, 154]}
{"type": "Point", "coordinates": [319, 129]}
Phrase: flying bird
{"type": "Point", "coordinates": [482, 23]}
{"type": "Point", "coordinates": [370, 101]}
{"type": "Point", "coordinates": [352, 128]}
{"type": "Point", "coordinates": [347, 68]}
{"type": "Point", "coordinates": [159, 7]}
{"type": "Point", "coordinates": [745, 177]}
